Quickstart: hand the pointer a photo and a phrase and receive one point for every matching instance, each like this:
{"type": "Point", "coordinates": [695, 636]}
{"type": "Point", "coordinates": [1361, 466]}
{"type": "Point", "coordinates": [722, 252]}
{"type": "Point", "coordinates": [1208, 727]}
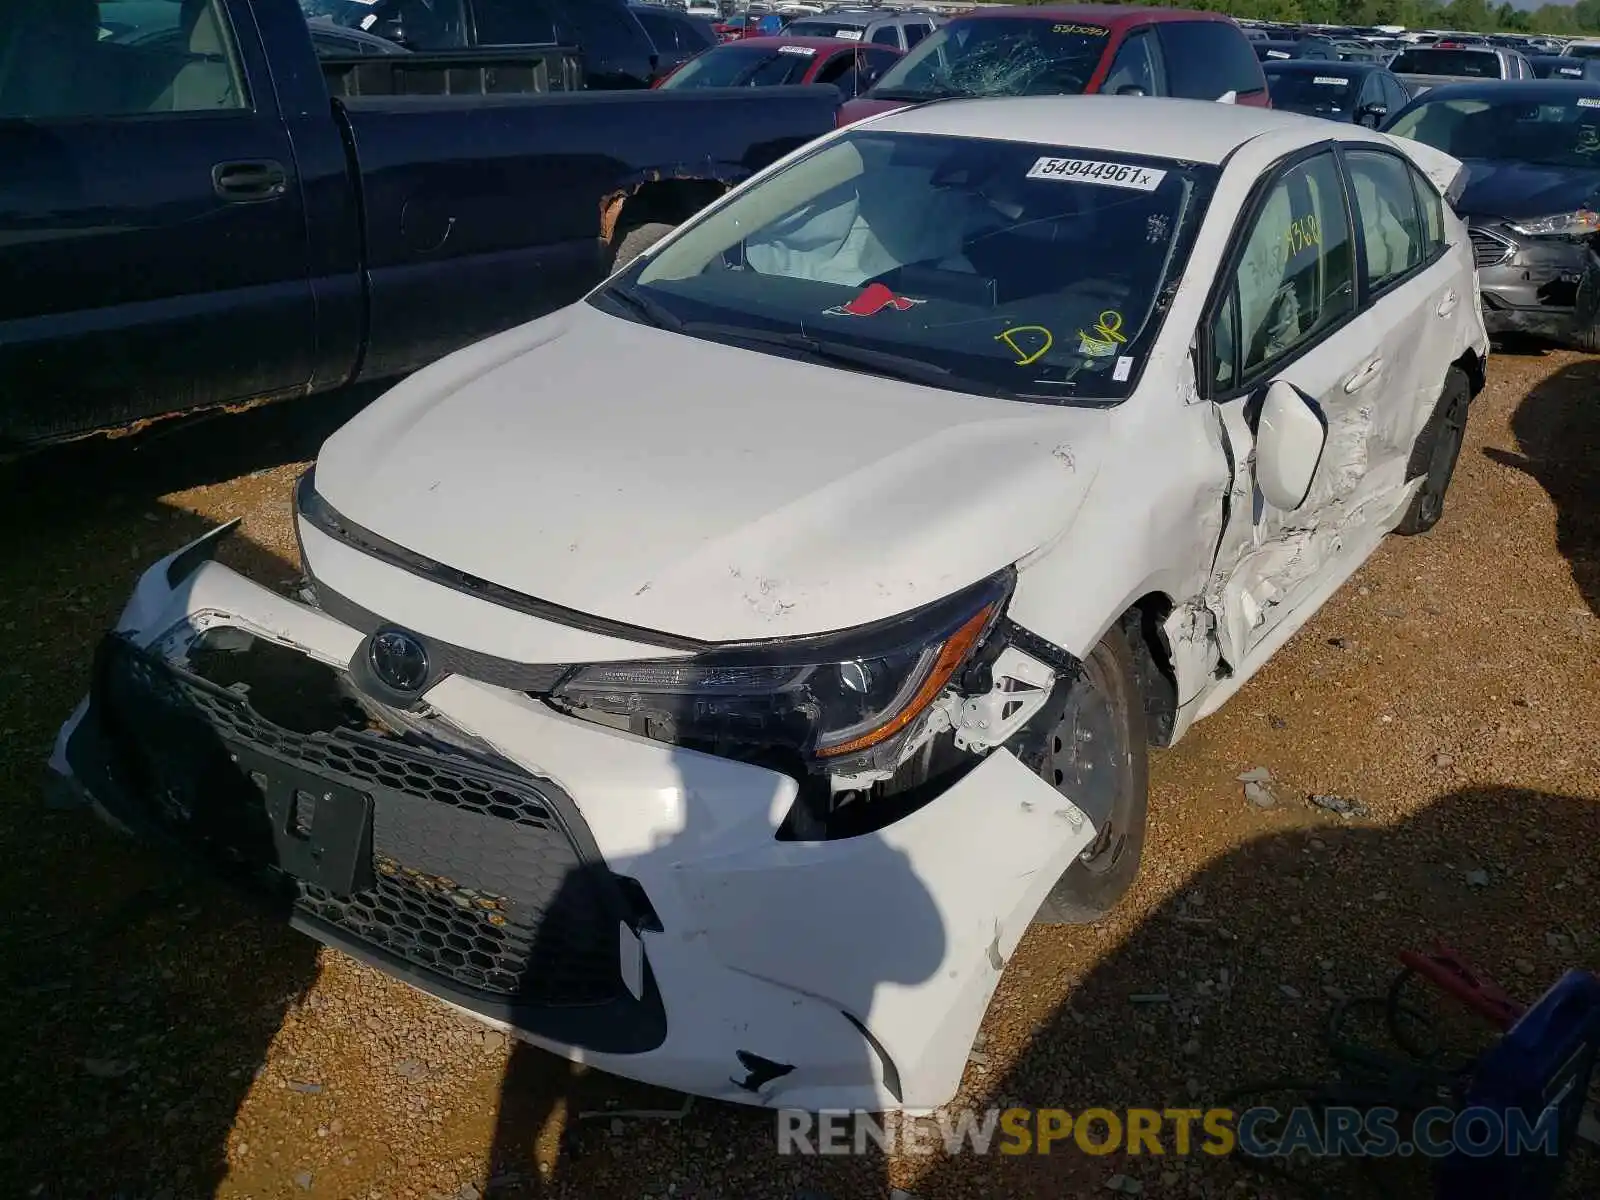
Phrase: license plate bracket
{"type": "Point", "coordinates": [321, 829]}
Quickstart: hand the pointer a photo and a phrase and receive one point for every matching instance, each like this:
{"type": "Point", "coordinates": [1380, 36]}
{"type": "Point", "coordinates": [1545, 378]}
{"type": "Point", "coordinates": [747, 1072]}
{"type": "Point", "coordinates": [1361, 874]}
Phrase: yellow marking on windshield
{"type": "Point", "coordinates": [1105, 339]}
{"type": "Point", "coordinates": [1086, 30]}
{"type": "Point", "coordinates": [1025, 357]}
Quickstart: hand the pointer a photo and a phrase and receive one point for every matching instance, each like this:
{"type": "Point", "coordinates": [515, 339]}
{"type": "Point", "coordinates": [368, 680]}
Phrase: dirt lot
{"type": "Point", "coordinates": [163, 1039]}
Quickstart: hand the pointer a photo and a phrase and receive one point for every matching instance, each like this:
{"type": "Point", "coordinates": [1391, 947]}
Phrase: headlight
{"type": "Point", "coordinates": [1572, 224]}
{"type": "Point", "coordinates": [831, 699]}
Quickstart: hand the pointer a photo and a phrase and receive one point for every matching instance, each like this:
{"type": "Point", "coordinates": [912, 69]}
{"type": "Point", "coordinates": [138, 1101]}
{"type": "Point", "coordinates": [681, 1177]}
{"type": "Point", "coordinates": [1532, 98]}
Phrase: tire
{"type": "Point", "coordinates": [1106, 703]}
{"type": "Point", "coordinates": [1437, 449]}
{"type": "Point", "coordinates": [637, 240]}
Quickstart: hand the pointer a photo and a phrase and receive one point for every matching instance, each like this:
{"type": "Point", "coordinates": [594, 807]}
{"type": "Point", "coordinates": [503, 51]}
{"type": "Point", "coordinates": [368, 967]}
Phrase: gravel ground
{"type": "Point", "coordinates": [165, 1040]}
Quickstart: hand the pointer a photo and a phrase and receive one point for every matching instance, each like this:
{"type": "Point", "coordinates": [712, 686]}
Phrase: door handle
{"type": "Point", "coordinates": [242, 182]}
{"type": "Point", "coordinates": [1448, 304]}
{"type": "Point", "coordinates": [1364, 376]}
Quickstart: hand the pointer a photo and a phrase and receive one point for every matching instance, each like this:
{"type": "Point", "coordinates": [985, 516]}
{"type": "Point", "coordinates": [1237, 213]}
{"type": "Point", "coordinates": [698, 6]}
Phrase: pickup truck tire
{"type": "Point", "coordinates": [1099, 744]}
{"type": "Point", "coordinates": [637, 240]}
{"type": "Point", "coordinates": [1435, 453]}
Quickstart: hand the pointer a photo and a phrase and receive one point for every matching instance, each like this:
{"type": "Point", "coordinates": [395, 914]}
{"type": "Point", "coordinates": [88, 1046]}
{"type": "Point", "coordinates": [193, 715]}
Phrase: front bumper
{"type": "Point", "coordinates": [1531, 285]}
{"type": "Point", "coordinates": [616, 900]}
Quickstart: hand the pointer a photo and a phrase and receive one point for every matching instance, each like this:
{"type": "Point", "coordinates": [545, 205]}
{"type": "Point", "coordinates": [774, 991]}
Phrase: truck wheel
{"type": "Point", "coordinates": [1438, 446]}
{"type": "Point", "coordinates": [1100, 747]}
{"type": "Point", "coordinates": [637, 240]}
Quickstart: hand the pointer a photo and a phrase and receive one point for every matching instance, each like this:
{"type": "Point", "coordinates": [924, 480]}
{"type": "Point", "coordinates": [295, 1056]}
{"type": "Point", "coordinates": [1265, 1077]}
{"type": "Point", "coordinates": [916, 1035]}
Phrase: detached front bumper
{"type": "Point", "coordinates": [1532, 286]}
{"type": "Point", "coordinates": [613, 899]}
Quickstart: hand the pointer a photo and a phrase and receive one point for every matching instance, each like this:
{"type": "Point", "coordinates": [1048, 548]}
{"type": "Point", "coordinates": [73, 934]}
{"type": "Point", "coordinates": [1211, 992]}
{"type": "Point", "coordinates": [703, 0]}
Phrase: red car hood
{"type": "Point", "coordinates": [852, 111]}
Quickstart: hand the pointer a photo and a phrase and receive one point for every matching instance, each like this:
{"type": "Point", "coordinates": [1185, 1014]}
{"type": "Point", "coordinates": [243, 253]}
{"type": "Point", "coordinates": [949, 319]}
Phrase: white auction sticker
{"type": "Point", "coordinates": [1088, 170]}
{"type": "Point", "coordinates": [1588, 102]}
{"type": "Point", "coordinates": [1123, 369]}
{"type": "Point", "coordinates": [849, 35]}
{"type": "Point", "coordinates": [1277, 54]}
{"type": "Point", "coordinates": [803, 51]}
{"type": "Point", "coordinates": [1330, 81]}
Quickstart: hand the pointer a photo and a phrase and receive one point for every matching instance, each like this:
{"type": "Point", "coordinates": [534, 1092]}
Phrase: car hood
{"type": "Point", "coordinates": [701, 489]}
{"type": "Point", "coordinates": [1517, 189]}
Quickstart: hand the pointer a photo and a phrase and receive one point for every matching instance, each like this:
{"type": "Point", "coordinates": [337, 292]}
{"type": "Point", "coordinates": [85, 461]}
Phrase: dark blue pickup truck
{"type": "Point", "coordinates": [197, 211]}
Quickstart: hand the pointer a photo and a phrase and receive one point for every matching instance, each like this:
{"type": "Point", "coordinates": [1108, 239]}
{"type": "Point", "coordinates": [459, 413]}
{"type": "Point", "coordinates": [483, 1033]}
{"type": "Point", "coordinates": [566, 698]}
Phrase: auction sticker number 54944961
{"type": "Point", "coordinates": [1088, 170]}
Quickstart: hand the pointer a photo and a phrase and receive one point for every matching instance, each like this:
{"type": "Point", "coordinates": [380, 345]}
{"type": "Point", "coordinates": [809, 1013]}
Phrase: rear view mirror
{"type": "Point", "coordinates": [1289, 440]}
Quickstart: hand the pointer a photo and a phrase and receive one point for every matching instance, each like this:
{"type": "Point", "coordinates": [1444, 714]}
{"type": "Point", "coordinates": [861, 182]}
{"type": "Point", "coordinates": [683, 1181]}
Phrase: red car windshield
{"type": "Point", "coordinates": [1010, 56]}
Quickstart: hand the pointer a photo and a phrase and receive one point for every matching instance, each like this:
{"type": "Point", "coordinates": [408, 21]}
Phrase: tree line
{"type": "Point", "coordinates": [1581, 19]}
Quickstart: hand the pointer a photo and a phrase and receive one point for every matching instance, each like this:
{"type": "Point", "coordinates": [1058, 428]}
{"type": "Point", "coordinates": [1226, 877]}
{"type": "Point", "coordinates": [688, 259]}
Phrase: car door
{"type": "Point", "coordinates": [1136, 68]}
{"type": "Point", "coordinates": [1409, 287]}
{"type": "Point", "coordinates": [153, 248]}
{"type": "Point", "coordinates": [1286, 310]}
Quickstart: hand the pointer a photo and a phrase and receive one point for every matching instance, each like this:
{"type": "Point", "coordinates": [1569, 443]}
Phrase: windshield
{"type": "Point", "coordinates": [734, 65]}
{"type": "Point", "coordinates": [1472, 64]}
{"type": "Point", "coordinates": [1004, 268]}
{"type": "Point", "coordinates": [1560, 133]}
{"type": "Point", "coordinates": [1582, 51]}
{"type": "Point", "coordinates": [1320, 93]}
{"type": "Point", "coordinates": [813, 27]}
{"type": "Point", "coordinates": [1022, 56]}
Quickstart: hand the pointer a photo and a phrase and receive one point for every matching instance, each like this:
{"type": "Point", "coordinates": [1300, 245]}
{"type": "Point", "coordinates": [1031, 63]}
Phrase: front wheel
{"type": "Point", "coordinates": [1098, 755]}
{"type": "Point", "coordinates": [1438, 446]}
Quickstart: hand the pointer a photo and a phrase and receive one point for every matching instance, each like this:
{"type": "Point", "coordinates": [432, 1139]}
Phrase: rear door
{"type": "Point", "coordinates": [153, 250]}
{"type": "Point", "coordinates": [1408, 284]}
{"type": "Point", "coordinates": [1286, 310]}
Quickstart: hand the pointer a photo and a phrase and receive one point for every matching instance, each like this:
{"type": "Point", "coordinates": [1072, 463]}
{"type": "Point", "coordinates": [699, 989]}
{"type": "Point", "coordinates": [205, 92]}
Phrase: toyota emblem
{"type": "Point", "coordinates": [398, 660]}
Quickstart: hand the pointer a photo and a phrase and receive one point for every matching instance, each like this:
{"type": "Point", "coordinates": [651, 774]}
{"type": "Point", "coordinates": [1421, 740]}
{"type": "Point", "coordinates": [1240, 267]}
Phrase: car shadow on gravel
{"type": "Point", "coordinates": [565, 1130]}
{"type": "Point", "coordinates": [1557, 427]}
{"type": "Point", "coordinates": [1184, 1011]}
{"type": "Point", "coordinates": [138, 999]}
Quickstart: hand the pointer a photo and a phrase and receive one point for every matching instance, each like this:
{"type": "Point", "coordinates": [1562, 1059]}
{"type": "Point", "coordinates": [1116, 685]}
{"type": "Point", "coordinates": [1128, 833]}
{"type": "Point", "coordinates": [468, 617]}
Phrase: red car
{"type": "Point", "coordinates": [1068, 50]}
{"type": "Point", "coordinates": [769, 61]}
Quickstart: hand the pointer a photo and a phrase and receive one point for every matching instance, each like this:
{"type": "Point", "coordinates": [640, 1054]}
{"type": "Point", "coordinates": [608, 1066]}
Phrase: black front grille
{"type": "Point", "coordinates": [1489, 249]}
{"type": "Point", "coordinates": [479, 874]}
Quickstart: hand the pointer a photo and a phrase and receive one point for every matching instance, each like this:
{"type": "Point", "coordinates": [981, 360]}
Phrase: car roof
{"type": "Point", "coordinates": [1187, 130]}
{"type": "Point", "coordinates": [1112, 16]}
{"type": "Point", "coordinates": [1515, 91]}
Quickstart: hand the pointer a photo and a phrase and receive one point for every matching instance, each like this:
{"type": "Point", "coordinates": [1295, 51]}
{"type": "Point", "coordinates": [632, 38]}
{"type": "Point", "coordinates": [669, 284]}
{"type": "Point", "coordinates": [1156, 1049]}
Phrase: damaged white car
{"type": "Point", "coordinates": [712, 680]}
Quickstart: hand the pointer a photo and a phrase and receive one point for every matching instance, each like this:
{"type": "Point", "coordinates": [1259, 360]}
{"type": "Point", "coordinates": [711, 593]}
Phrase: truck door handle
{"type": "Point", "coordinates": [1448, 304]}
{"type": "Point", "coordinates": [1364, 376]}
{"type": "Point", "coordinates": [241, 182]}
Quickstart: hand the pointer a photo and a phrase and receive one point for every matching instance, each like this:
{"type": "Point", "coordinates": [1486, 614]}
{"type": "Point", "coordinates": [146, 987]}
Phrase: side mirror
{"type": "Point", "coordinates": [1131, 89]}
{"type": "Point", "coordinates": [1289, 440]}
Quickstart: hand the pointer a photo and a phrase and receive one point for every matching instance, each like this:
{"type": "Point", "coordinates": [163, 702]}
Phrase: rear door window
{"type": "Point", "coordinates": [1391, 228]}
{"type": "Point", "coordinates": [515, 23]}
{"type": "Point", "coordinates": [1205, 59]}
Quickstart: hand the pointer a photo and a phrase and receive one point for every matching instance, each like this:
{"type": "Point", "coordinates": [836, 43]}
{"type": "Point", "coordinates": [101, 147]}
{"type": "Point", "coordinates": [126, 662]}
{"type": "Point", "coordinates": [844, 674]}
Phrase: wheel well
{"type": "Point", "coordinates": [1475, 369]}
{"type": "Point", "coordinates": [1152, 662]}
{"type": "Point", "coordinates": [669, 201]}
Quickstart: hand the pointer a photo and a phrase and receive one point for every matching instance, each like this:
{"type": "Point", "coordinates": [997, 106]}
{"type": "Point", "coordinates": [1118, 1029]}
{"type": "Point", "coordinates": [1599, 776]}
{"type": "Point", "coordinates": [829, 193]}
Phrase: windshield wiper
{"type": "Point", "coordinates": [872, 362]}
{"type": "Point", "coordinates": [643, 307]}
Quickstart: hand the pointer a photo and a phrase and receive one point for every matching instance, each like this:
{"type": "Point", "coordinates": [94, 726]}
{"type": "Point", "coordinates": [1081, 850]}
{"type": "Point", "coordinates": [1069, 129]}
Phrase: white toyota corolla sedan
{"type": "Point", "coordinates": [712, 680]}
